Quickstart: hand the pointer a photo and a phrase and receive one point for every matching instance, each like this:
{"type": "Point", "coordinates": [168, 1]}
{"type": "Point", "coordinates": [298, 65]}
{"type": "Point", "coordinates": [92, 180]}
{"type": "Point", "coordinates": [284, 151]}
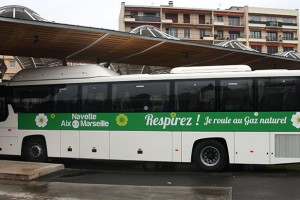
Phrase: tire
{"type": "Point", "coordinates": [210, 155]}
{"type": "Point", "coordinates": [35, 150]}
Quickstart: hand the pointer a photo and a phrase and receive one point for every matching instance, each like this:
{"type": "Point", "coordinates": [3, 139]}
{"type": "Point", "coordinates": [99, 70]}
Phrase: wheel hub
{"type": "Point", "coordinates": [210, 156]}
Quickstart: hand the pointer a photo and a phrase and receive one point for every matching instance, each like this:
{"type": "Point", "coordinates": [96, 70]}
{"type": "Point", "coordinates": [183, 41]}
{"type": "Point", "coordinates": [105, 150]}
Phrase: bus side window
{"type": "Point", "coordinates": [195, 95]}
{"type": "Point", "coordinates": [94, 98]}
{"type": "Point", "coordinates": [236, 95]}
{"type": "Point", "coordinates": [32, 99]}
{"type": "Point", "coordinates": [279, 94]}
{"type": "Point", "coordinates": [66, 98]}
{"type": "Point", "coordinates": [141, 96]}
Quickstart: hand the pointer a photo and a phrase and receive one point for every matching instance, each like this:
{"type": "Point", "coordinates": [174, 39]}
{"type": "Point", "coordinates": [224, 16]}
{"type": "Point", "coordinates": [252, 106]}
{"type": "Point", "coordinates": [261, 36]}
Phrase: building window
{"type": "Point", "coordinates": [234, 21]}
{"type": "Point", "coordinates": [202, 33]}
{"type": "Point", "coordinates": [272, 19]}
{"type": "Point", "coordinates": [220, 35]}
{"type": "Point", "coordinates": [272, 49]}
{"type": "Point", "coordinates": [12, 64]}
{"type": "Point", "coordinates": [220, 18]}
{"type": "Point", "coordinates": [287, 36]}
{"type": "Point", "coordinates": [255, 34]}
{"type": "Point", "coordinates": [186, 18]}
{"type": "Point", "coordinates": [233, 35]}
{"type": "Point", "coordinates": [187, 33]}
{"type": "Point", "coordinates": [288, 49]}
{"type": "Point", "coordinates": [201, 19]}
{"type": "Point", "coordinates": [257, 48]}
{"type": "Point", "coordinates": [172, 31]}
{"type": "Point", "coordinates": [272, 36]}
{"type": "Point", "coordinates": [150, 14]}
{"type": "Point", "coordinates": [172, 16]}
{"type": "Point", "coordinates": [287, 20]}
{"type": "Point", "coordinates": [133, 13]}
{"type": "Point", "coordinates": [255, 18]}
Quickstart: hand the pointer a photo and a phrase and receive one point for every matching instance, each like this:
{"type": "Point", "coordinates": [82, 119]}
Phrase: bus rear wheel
{"type": "Point", "coordinates": [210, 155]}
{"type": "Point", "coordinates": [35, 150]}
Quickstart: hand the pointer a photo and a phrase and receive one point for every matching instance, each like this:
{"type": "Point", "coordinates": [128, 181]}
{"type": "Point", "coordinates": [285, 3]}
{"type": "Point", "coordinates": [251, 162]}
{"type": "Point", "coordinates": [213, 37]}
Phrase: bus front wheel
{"type": "Point", "coordinates": [210, 155]}
{"type": "Point", "coordinates": [35, 150]}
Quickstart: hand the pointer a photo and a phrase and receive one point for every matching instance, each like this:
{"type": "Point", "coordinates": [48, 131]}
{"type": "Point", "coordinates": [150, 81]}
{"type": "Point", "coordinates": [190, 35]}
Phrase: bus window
{"type": "Point", "coordinates": [195, 95]}
{"type": "Point", "coordinates": [32, 99]}
{"type": "Point", "coordinates": [141, 97]}
{"type": "Point", "coordinates": [279, 94]}
{"type": "Point", "coordinates": [236, 95]}
{"type": "Point", "coordinates": [3, 103]}
{"type": "Point", "coordinates": [66, 98]}
{"type": "Point", "coordinates": [94, 98]}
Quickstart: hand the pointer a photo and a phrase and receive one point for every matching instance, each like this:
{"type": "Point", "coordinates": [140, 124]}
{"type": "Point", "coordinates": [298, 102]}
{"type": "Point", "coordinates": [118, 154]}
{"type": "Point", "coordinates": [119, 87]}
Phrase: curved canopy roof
{"type": "Point", "coordinates": [151, 31]}
{"type": "Point", "coordinates": [233, 44]}
{"type": "Point", "coordinates": [289, 54]}
{"type": "Point", "coordinates": [94, 45]}
{"type": "Point", "coordinates": [21, 12]}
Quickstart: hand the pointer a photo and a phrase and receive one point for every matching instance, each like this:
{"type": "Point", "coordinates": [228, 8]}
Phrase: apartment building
{"type": "Point", "coordinates": [267, 30]}
{"type": "Point", "coordinates": [12, 67]}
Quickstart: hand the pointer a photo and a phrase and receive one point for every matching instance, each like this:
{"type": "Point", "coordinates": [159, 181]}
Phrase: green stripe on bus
{"type": "Point", "coordinates": [181, 121]}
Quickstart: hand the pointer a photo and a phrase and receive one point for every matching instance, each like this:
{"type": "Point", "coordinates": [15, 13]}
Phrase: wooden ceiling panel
{"type": "Point", "coordinates": [93, 45]}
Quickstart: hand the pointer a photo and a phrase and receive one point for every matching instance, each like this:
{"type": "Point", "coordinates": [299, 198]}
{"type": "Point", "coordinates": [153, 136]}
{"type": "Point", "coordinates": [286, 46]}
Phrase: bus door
{"type": "Point", "coordinates": [3, 103]}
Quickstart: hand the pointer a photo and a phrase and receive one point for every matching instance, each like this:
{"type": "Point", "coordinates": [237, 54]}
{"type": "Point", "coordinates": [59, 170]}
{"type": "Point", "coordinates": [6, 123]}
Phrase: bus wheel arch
{"type": "Point", "coordinates": [210, 154]}
{"type": "Point", "coordinates": [34, 148]}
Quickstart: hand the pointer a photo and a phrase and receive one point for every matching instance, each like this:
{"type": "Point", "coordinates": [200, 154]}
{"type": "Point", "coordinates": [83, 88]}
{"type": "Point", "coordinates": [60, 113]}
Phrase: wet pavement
{"type": "Point", "coordinates": [89, 179]}
{"type": "Point", "coordinates": [72, 191]}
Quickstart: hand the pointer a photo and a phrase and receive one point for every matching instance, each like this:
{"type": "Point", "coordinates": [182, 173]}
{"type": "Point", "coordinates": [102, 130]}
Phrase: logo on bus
{"type": "Point", "coordinates": [296, 120]}
{"type": "Point", "coordinates": [41, 120]}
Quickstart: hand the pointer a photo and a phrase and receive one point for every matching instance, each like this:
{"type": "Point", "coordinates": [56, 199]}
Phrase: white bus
{"type": "Point", "coordinates": [210, 116]}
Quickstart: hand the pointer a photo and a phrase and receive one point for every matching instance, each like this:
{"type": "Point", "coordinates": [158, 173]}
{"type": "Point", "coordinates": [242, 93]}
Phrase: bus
{"type": "Point", "coordinates": [211, 116]}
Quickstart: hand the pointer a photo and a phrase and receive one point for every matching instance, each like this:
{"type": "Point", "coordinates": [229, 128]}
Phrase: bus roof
{"type": "Point", "coordinates": [95, 73]}
{"type": "Point", "coordinates": [66, 72]}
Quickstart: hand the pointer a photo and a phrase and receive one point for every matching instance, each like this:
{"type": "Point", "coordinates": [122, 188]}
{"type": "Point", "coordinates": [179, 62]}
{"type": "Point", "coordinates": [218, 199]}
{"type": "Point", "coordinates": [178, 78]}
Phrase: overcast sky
{"type": "Point", "coordinates": [105, 13]}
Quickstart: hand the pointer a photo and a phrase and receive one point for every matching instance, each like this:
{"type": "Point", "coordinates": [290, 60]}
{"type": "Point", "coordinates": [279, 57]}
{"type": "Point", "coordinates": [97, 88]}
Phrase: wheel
{"type": "Point", "coordinates": [210, 155]}
{"type": "Point", "coordinates": [35, 150]}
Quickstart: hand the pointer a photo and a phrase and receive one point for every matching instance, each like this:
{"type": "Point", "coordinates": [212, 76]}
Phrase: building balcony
{"type": "Point", "coordinates": [238, 23]}
{"type": "Point", "coordinates": [231, 37]}
{"type": "Point", "coordinates": [289, 40]}
{"type": "Point", "coordinates": [275, 24]}
{"type": "Point", "coordinates": [253, 38]}
{"type": "Point", "coordinates": [130, 18]}
{"type": "Point", "coordinates": [167, 21]}
{"type": "Point", "coordinates": [207, 37]}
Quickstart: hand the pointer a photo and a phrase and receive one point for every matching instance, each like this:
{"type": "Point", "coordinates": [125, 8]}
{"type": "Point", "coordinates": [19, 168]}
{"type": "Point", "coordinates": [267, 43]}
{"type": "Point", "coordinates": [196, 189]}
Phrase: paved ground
{"type": "Point", "coordinates": [11, 172]}
{"type": "Point", "coordinates": [72, 191]}
{"type": "Point", "coordinates": [246, 182]}
{"type": "Point", "coordinates": [84, 179]}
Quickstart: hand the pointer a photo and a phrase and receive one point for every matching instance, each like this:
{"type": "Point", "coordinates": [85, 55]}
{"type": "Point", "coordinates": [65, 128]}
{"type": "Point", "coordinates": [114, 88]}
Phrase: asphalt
{"type": "Point", "coordinates": [18, 181]}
